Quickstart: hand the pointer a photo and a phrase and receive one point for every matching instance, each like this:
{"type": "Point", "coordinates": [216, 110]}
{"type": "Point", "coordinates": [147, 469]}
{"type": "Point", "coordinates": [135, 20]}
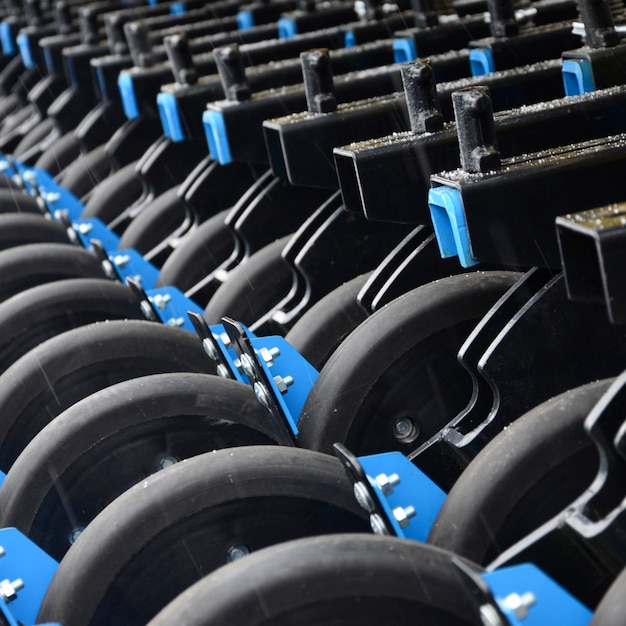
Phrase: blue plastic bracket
{"type": "Point", "coordinates": [171, 305]}
{"type": "Point", "coordinates": [8, 45]}
{"type": "Point", "coordinates": [217, 138]}
{"type": "Point", "coordinates": [170, 117]}
{"type": "Point", "coordinates": [577, 77]}
{"type": "Point", "coordinates": [404, 50]}
{"type": "Point", "coordinates": [245, 20]}
{"type": "Point", "coordinates": [24, 560]}
{"type": "Point", "coordinates": [127, 93]}
{"type": "Point", "coordinates": [410, 500]}
{"type": "Point", "coordinates": [481, 61]}
{"type": "Point", "coordinates": [287, 28]}
{"type": "Point", "coordinates": [23, 44]}
{"type": "Point", "coordinates": [177, 8]}
{"type": "Point", "coordinates": [448, 217]}
{"type": "Point", "coordinates": [529, 597]}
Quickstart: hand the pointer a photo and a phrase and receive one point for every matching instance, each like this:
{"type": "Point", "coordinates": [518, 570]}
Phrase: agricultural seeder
{"type": "Point", "coordinates": [311, 312]}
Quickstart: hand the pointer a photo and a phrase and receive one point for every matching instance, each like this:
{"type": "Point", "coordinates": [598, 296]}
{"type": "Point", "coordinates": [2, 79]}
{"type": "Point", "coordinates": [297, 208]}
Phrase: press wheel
{"type": "Point", "coordinates": [106, 443]}
{"type": "Point", "coordinates": [175, 527]}
{"type": "Point", "coordinates": [67, 368]}
{"type": "Point", "coordinates": [525, 476]}
{"type": "Point", "coordinates": [395, 381]}
{"type": "Point", "coordinates": [347, 580]}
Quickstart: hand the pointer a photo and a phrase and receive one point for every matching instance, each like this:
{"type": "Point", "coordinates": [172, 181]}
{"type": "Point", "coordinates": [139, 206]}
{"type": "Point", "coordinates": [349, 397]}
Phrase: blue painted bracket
{"type": "Point", "coordinates": [528, 597]}
{"type": "Point", "coordinates": [404, 50]}
{"type": "Point", "coordinates": [448, 217]}
{"type": "Point", "coordinates": [24, 560]}
{"type": "Point", "coordinates": [409, 499]}
{"type": "Point", "coordinates": [216, 136]}
{"type": "Point", "coordinates": [577, 77]}
{"type": "Point", "coordinates": [130, 264]}
{"type": "Point", "coordinates": [172, 306]}
{"type": "Point", "coordinates": [170, 117]}
{"type": "Point", "coordinates": [481, 61]}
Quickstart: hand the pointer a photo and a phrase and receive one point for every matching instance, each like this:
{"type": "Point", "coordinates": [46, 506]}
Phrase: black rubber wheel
{"type": "Point", "coordinates": [395, 381]}
{"type": "Point", "coordinates": [318, 333]}
{"type": "Point", "coordinates": [36, 264]}
{"type": "Point", "coordinates": [65, 369]}
{"type": "Point", "coordinates": [525, 476]}
{"type": "Point", "coordinates": [108, 442]}
{"type": "Point", "coordinates": [202, 252]}
{"type": "Point", "coordinates": [64, 151]}
{"type": "Point", "coordinates": [35, 137]}
{"type": "Point", "coordinates": [336, 580]}
{"type": "Point", "coordinates": [19, 229]}
{"type": "Point", "coordinates": [166, 533]}
{"type": "Point", "coordinates": [42, 312]}
{"type": "Point", "coordinates": [157, 221]}
{"type": "Point", "coordinates": [112, 197]}
{"type": "Point", "coordinates": [87, 171]}
{"type": "Point", "coordinates": [612, 607]}
{"type": "Point", "coordinates": [16, 201]}
{"type": "Point", "coordinates": [253, 287]}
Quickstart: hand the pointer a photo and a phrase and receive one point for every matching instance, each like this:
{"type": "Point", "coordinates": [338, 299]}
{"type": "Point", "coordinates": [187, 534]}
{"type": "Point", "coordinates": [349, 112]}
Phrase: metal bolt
{"type": "Point", "coordinates": [53, 196]}
{"type": "Point", "coordinates": [121, 260]}
{"type": "Point", "coordinates": [363, 497]}
{"type": "Point", "coordinates": [489, 615]}
{"type": "Point", "coordinates": [176, 322]}
{"type": "Point", "coordinates": [109, 270]}
{"type": "Point", "coordinates": [29, 176]}
{"type": "Point", "coordinates": [404, 514]}
{"type": "Point", "coordinates": [9, 589]}
{"type": "Point", "coordinates": [520, 604]}
{"type": "Point", "coordinates": [75, 533]}
{"type": "Point", "coordinates": [404, 428]}
{"type": "Point", "coordinates": [248, 366]}
{"type": "Point", "coordinates": [282, 382]}
{"type": "Point", "coordinates": [84, 229]}
{"type": "Point", "coordinates": [378, 525]}
{"type": "Point", "coordinates": [3, 552]}
{"type": "Point", "coordinates": [225, 339]}
{"type": "Point", "coordinates": [161, 300]}
{"type": "Point", "coordinates": [237, 551]}
{"type": "Point", "coordinates": [167, 461]}
{"type": "Point", "coordinates": [210, 349]}
{"type": "Point", "coordinates": [387, 483]}
{"type": "Point", "coordinates": [269, 355]}
{"type": "Point", "coordinates": [262, 395]}
{"type": "Point", "coordinates": [222, 371]}
{"type": "Point", "coordinates": [4, 165]}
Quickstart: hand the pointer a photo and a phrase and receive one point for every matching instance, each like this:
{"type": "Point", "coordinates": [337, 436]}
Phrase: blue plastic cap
{"type": "Point", "coordinates": [217, 138]}
{"type": "Point", "coordinates": [404, 50]}
{"type": "Point", "coordinates": [177, 8]}
{"type": "Point", "coordinates": [287, 28]}
{"type": "Point", "coordinates": [577, 77]}
{"type": "Point", "coordinates": [127, 92]}
{"type": "Point", "coordinates": [349, 40]}
{"type": "Point", "coordinates": [448, 217]}
{"type": "Point", "coordinates": [245, 20]}
{"type": "Point", "coordinates": [8, 45]}
{"type": "Point", "coordinates": [481, 61]}
{"type": "Point", "coordinates": [23, 43]}
{"type": "Point", "coordinates": [170, 117]}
